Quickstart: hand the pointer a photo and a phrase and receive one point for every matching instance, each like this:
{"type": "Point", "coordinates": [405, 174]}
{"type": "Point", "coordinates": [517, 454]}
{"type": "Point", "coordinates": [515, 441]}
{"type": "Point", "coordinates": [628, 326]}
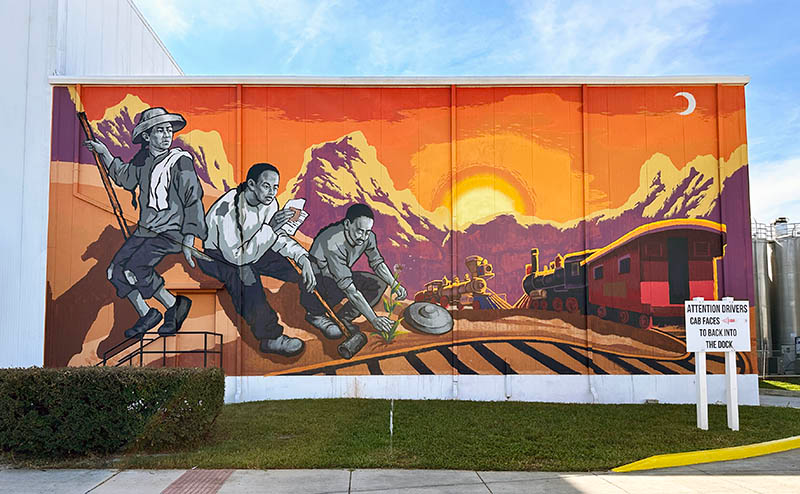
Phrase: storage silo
{"type": "Point", "coordinates": [762, 283]}
{"type": "Point", "coordinates": [785, 303]}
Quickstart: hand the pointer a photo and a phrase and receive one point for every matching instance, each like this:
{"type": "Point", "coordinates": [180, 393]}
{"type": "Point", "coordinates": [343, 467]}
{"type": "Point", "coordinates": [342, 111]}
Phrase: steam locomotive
{"type": "Point", "coordinates": [472, 291]}
{"type": "Point", "coordinates": [647, 273]}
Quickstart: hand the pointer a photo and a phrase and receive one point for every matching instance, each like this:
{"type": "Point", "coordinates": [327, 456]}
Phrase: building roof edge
{"type": "Point", "coordinates": [216, 80]}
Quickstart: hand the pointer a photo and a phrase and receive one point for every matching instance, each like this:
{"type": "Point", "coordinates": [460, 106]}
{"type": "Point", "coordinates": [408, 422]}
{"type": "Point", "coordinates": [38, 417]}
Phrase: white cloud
{"type": "Point", "coordinates": [167, 18]}
{"type": "Point", "coordinates": [313, 26]}
{"type": "Point", "coordinates": [295, 23]}
{"type": "Point", "coordinates": [774, 190]}
{"type": "Point", "coordinates": [175, 18]}
{"type": "Point", "coordinates": [618, 37]}
{"type": "Point", "coordinates": [436, 37]}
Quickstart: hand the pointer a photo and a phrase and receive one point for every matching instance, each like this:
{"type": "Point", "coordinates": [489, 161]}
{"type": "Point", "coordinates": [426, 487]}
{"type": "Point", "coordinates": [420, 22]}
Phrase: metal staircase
{"type": "Point", "coordinates": [137, 347]}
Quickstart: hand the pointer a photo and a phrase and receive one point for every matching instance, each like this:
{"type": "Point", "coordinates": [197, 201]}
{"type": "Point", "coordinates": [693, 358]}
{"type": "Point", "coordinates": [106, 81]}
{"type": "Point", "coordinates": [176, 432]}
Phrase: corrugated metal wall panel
{"type": "Point", "coordinates": [124, 37]}
{"type": "Point", "coordinates": [91, 38]}
{"type": "Point", "coordinates": [52, 37]}
{"type": "Point", "coordinates": [36, 173]}
{"type": "Point", "coordinates": [111, 38]}
{"type": "Point", "coordinates": [24, 181]}
{"type": "Point", "coordinates": [16, 63]}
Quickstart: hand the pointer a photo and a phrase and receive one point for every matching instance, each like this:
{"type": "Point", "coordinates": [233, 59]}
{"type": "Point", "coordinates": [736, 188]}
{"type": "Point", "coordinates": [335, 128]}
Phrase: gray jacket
{"type": "Point", "coordinates": [184, 214]}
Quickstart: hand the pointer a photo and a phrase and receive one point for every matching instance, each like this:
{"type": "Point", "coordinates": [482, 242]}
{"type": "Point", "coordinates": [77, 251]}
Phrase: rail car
{"type": "Point", "coordinates": [647, 273]}
{"type": "Point", "coordinates": [473, 291]}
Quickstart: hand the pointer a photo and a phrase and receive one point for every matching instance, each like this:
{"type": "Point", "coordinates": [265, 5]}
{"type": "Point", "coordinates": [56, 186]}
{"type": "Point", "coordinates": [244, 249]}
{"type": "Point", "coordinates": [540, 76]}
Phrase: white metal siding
{"type": "Point", "coordinates": [110, 38]}
{"type": "Point", "coordinates": [46, 38]}
{"type": "Point", "coordinates": [24, 181]}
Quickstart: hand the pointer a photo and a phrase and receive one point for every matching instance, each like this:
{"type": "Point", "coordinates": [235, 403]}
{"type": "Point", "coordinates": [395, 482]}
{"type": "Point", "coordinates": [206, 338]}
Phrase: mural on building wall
{"type": "Point", "coordinates": [392, 230]}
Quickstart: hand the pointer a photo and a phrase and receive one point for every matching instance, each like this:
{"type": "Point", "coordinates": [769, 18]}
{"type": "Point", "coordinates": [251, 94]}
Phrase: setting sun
{"type": "Point", "coordinates": [483, 195]}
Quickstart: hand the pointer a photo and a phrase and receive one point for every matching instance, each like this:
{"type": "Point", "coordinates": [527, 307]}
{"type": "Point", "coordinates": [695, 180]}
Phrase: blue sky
{"type": "Point", "coordinates": [680, 37]}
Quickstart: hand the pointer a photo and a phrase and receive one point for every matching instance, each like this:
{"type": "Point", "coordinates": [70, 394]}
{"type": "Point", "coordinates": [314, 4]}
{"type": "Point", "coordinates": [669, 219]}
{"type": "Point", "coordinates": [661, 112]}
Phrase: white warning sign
{"type": "Point", "coordinates": [717, 325]}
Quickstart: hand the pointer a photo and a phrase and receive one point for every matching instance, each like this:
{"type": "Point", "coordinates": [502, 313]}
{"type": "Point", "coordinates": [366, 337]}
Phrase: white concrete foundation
{"type": "Point", "coordinates": [547, 388]}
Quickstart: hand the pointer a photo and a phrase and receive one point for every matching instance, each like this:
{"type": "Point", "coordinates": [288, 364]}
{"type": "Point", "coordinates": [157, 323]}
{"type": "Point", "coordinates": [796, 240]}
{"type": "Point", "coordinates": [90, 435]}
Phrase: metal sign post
{"type": "Point", "coordinates": [717, 326]}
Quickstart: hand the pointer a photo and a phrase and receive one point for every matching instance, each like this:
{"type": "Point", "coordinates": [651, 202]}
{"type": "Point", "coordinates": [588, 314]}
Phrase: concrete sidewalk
{"type": "Point", "coordinates": [773, 474]}
{"type": "Point", "coordinates": [773, 399]}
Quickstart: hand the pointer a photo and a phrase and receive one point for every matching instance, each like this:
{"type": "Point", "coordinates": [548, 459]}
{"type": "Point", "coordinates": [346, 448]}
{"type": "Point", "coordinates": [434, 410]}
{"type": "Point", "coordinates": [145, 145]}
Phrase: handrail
{"type": "Point", "coordinates": [145, 342]}
{"type": "Point", "coordinates": [130, 342]}
{"type": "Point", "coordinates": [141, 347]}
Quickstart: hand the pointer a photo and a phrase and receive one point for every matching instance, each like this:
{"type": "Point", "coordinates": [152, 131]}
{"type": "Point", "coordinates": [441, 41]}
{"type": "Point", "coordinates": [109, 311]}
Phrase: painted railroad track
{"type": "Point", "coordinates": [522, 356]}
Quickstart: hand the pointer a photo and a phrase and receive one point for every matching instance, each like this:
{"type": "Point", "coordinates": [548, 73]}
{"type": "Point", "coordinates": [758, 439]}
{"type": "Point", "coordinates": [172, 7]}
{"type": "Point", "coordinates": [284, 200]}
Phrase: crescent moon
{"type": "Point", "coordinates": [689, 99]}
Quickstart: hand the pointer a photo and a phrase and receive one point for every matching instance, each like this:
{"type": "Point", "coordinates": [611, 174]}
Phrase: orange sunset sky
{"type": "Point", "coordinates": [522, 148]}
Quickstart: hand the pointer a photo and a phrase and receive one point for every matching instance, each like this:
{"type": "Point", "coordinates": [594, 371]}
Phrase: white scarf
{"type": "Point", "coordinates": [160, 178]}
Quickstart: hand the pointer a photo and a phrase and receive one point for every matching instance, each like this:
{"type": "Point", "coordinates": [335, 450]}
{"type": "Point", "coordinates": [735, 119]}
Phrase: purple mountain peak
{"type": "Point", "coordinates": [339, 154]}
{"type": "Point", "coordinates": [345, 171]}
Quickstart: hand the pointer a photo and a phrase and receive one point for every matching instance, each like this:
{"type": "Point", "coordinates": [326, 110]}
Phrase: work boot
{"type": "Point", "coordinates": [325, 324]}
{"type": "Point", "coordinates": [175, 315]}
{"type": "Point", "coordinates": [144, 324]}
{"type": "Point", "coordinates": [282, 345]}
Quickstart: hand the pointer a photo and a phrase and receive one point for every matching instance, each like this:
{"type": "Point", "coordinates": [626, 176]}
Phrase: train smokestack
{"type": "Point", "coordinates": [535, 260]}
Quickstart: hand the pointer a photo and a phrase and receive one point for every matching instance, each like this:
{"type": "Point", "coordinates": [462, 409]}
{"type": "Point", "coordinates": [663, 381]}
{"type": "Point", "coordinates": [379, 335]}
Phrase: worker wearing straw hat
{"type": "Point", "coordinates": [171, 216]}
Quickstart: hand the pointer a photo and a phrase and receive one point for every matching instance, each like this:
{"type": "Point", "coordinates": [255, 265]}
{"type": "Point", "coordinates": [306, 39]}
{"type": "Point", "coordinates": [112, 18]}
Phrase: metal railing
{"type": "Point", "coordinates": [763, 231]}
{"type": "Point", "coordinates": [145, 347]}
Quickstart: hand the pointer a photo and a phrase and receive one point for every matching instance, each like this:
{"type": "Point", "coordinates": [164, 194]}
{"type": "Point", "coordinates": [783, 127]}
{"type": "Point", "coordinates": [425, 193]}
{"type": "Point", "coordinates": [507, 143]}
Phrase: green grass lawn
{"type": "Point", "coordinates": [782, 383]}
{"type": "Point", "coordinates": [353, 433]}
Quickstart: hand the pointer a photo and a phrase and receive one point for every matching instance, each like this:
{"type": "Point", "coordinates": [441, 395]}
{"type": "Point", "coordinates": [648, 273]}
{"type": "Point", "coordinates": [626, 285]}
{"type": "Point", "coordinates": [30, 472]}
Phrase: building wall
{"type": "Point", "coordinates": [97, 37]}
{"type": "Point", "coordinates": [41, 39]}
{"type": "Point", "coordinates": [463, 183]}
{"type": "Point", "coordinates": [24, 179]}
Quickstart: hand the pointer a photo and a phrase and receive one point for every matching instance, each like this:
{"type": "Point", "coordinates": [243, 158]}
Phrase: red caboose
{"type": "Point", "coordinates": [653, 269]}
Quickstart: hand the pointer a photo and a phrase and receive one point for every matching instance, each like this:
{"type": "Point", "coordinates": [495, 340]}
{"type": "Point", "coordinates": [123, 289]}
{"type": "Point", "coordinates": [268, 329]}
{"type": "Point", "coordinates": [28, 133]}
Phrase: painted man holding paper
{"type": "Point", "coordinates": [247, 238]}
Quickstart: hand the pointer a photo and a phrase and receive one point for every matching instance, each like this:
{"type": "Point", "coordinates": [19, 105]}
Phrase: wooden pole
{"type": "Point", "coordinates": [731, 386]}
{"type": "Point", "coordinates": [112, 195]}
{"type": "Point", "coordinates": [702, 390]}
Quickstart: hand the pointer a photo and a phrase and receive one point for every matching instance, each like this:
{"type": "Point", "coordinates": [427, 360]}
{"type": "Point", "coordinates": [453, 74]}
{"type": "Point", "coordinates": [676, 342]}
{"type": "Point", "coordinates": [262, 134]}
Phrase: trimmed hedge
{"type": "Point", "coordinates": [79, 410]}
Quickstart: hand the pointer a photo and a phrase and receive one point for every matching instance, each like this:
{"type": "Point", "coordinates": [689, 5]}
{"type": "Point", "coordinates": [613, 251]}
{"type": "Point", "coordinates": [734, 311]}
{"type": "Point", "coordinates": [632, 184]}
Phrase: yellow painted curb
{"type": "Point", "coordinates": [711, 455]}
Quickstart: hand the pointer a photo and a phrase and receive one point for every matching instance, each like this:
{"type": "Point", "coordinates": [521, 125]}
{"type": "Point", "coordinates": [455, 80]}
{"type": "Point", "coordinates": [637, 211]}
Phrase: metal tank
{"type": "Point", "coordinates": [785, 301]}
{"type": "Point", "coordinates": [762, 283]}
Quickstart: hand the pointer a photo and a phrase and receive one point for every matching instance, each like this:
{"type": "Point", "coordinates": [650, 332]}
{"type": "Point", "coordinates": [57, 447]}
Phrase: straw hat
{"type": "Point", "coordinates": [156, 116]}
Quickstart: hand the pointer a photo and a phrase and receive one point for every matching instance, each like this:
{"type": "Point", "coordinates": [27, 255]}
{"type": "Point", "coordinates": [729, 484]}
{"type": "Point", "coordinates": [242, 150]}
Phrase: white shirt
{"type": "Point", "coordinates": [247, 244]}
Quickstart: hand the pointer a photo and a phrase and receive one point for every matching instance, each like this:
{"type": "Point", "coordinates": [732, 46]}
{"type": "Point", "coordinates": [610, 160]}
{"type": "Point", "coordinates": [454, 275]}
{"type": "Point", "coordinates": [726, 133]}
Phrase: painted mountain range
{"type": "Point", "coordinates": [339, 173]}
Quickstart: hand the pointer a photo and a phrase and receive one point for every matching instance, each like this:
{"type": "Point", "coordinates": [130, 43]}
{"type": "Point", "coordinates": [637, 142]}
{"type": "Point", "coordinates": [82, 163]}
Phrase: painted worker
{"type": "Point", "coordinates": [334, 251]}
{"type": "Point", "coordinates": [245, 241]}
{"type": "Point", "coordinates": [171, 216]}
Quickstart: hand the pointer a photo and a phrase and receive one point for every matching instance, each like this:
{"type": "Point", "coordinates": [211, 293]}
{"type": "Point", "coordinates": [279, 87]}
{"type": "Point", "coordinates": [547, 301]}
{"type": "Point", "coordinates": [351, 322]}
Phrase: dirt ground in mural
{"type": "Point", "coordinates": [482, 342]}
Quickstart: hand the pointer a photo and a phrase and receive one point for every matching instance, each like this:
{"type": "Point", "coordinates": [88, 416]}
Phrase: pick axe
{"type": "Point", "coordinates": [354, 341]}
